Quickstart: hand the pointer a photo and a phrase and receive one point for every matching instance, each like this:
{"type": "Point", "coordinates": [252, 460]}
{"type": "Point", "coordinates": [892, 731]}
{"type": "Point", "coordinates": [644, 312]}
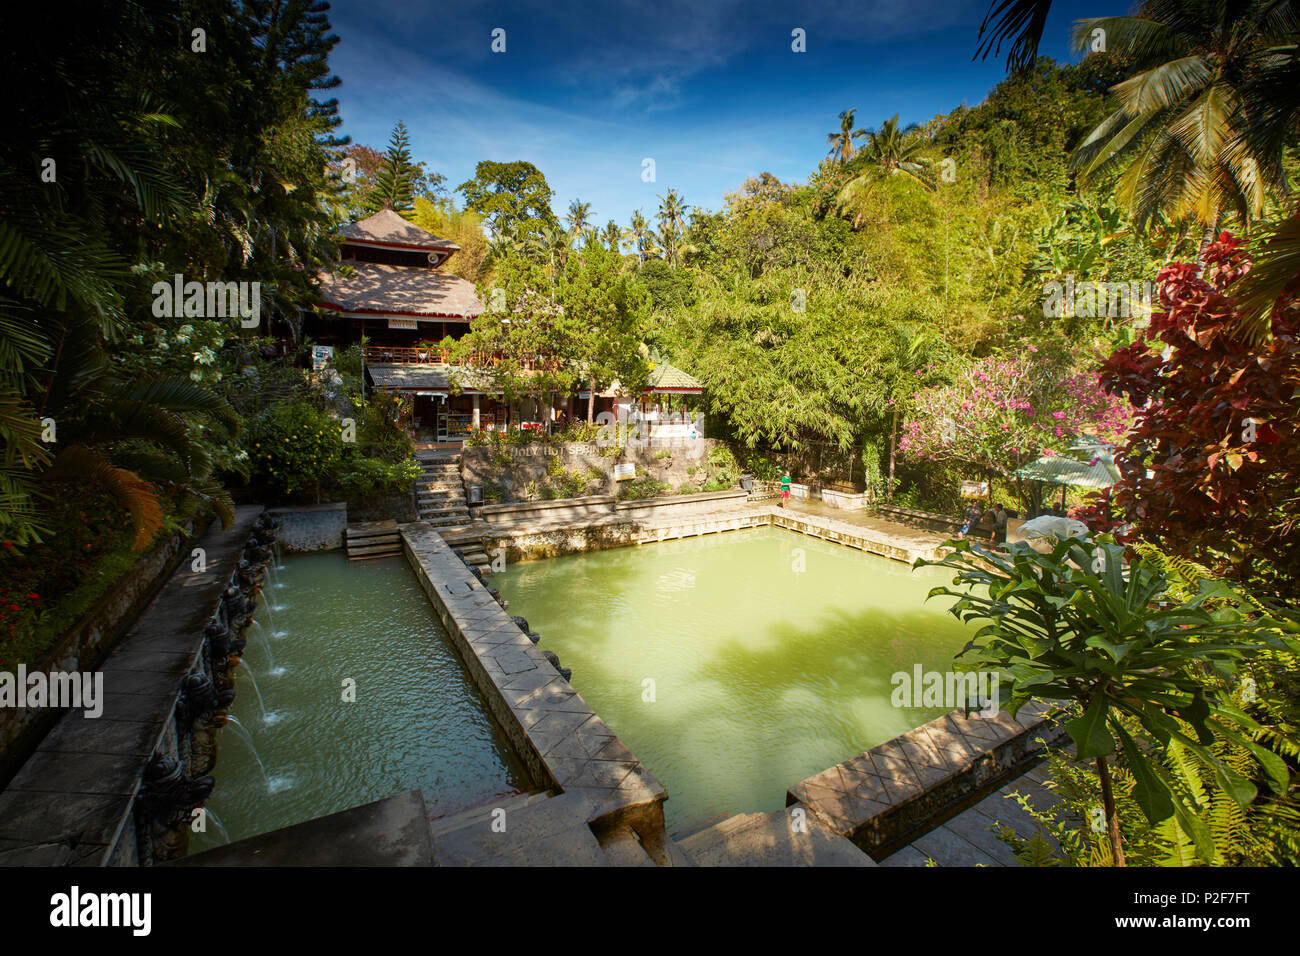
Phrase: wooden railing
{"type": "Point", "coordinates": [437, 355]}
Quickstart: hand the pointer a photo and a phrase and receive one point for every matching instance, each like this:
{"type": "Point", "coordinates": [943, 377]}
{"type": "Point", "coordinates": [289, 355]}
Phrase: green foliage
{"type": "Point", "coordinates": [641, 487]}
{"type": "Point", "coordinates": [513, 198]}
{"type": "Point", "coordinates": [294, 448]}
{"type": "Point", "coordinates": [724, 470]}
{"type": "Point", "coordinates": [1076, 626]}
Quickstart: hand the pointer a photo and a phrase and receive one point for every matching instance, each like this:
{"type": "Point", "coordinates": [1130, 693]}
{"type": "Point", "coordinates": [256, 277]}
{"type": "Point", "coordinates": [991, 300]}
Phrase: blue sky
{"type": "Point", "coordinates": [711, 91]}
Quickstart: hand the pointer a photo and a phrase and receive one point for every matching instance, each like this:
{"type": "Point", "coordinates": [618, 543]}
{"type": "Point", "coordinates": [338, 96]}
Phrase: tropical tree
{"type": "Point", "coordinates": [578, 218]}
{"type": "Point", "coordinates": [841, 141]}
{"type": "Point", "coordinates": [672, 218]}
{"type": "Point", "coordinates": [888, 151]}
{"type": "Point", "coordinates": [394, 186]}
{"type": "Point", "coordinates": [611, 236]}
{"type": "Point", "coordinates": [511, 197]}
{"type": "Point", "coordinates": [639, 236]}
{"type": "Point", "coordinates": [1180, 138]}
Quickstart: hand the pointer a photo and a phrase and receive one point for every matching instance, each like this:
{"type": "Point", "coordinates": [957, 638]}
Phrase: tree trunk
{"type": "Point", "coordinates": [893, 443]}
{"type": "Point", "coordinates": [591, 402]}
{"type": "Point", "coordinates": [1112, 819]}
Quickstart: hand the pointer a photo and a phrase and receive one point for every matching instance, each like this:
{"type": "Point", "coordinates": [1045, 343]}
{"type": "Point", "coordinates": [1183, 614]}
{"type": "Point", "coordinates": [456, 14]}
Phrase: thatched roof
{"type": "Point", "coordinates": [388, 228]}
{"type": "Point", "coordinates": [400, 290]}
{"type": "Point", "coordinates": [668, 378]}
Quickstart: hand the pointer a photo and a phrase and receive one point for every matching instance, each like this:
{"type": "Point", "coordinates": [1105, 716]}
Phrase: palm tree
{"type": "Point", "coordinates": [611, 235]}
{"type": "Point", "coordinates": [888, 151]}
{"type": "Point", "coordinates": [1179, 140]}
{"type": "Point", "coordinates": [578, 217]}
{"type": "Point", "coordinates": [671, 216]}
{"type": "Point", "coordinates": [841, 142]}
{"type": "Point", "coordinates": [638, 235]}
{"type": "Point", "coordinates": [1219, 95]}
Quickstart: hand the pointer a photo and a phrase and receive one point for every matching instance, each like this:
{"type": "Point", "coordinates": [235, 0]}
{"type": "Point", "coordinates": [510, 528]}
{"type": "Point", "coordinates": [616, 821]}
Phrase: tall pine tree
{"type": "Point", "coordinates": [395, 184]}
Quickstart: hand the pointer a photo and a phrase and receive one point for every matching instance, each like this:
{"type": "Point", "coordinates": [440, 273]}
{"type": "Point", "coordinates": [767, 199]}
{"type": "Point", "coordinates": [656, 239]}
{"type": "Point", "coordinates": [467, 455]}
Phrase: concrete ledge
{"type": "Point", "coordinates": [525, 512]}
{"type": "Point", "coordinates": [850, 535]}
{"type": "Point", "coordinates": [845, 501]}
{"type": "Point", "coordinates": [879, 798]}
{"type": "Point", "coordinates": [391, 832]}
{"type": "Point", "coordinates": [560, 739]}
{"type": "Point", "coordinates": [678, 505]}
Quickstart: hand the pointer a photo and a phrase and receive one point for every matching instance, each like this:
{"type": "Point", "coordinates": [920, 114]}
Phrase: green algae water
{"type": "Point", "coordinates": [417, 721]}
{"type": "Point", "coordinates": [763, 674]}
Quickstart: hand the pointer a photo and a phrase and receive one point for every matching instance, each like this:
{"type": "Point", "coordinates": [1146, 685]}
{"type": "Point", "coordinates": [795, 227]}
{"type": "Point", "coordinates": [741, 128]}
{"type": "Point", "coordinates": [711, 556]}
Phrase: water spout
{"type": "Point", "coordinates": [247, 737]}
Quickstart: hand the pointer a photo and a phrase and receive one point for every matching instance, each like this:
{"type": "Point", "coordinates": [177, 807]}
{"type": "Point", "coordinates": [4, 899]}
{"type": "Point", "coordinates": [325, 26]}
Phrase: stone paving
{"type": "Point", "coordinates": [71, 803]}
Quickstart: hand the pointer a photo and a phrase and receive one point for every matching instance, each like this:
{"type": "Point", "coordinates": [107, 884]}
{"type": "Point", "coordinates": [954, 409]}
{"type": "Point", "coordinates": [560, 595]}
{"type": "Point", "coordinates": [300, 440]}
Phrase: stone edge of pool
{"type": "Point", "coordinates": [560, 739]}
{"type": "Point", "coordinates": [539, 540]}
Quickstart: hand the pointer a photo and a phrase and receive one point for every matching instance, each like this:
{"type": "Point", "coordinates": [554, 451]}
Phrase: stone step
{"type": "Point", "coordinates": [622, 847]}
{"type": "Point", "coordinates": [443, 515]}
{"type": "Point", "coordinates": [446, 523]}
{"type": "Point", "coordinates": [449, 823]}
{"type": "Point", "coordinates": [550, 832]}
{"type": "Point", "coordinates": [375, 550]}
{"type": "Point", "coordinates": [453, 486]}
{"type": "Point", "coordinates": [771, 839]}
{"type": "Point", "coordinates": [438, 506]}
{"type": "Point", "coordinates": [424, 496]}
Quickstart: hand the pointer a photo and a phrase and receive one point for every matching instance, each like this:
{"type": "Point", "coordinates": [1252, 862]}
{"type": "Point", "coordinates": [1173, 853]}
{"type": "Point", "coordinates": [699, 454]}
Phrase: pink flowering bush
{"type": "Point", "coordinates": [1002, 413]}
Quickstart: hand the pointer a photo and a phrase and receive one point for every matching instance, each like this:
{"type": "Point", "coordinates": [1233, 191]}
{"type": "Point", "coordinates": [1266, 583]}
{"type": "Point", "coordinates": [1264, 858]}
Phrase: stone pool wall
{"type": "Point", "coordinates": [512, 468]}
{"type": "Point", "coordinates": [561, 740]}
{"type": "Point", "coordinates": [882, 798]}
{"type": "Point", "coordinates": [312, 527]}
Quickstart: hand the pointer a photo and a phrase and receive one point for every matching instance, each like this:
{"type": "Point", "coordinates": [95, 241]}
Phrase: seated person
{"type": "Point", "coordinates": [972, 515]}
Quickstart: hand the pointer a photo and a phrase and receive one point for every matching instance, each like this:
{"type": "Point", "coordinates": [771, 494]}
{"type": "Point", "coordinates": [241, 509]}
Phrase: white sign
{"type": "Point", "coordinates": [974, 489]}
{"type": "Point", "coordinates": [320, 355]}
{"type": "Point", "coordinates": [624, 472]}
{"type": "Point", "coordinates": [403, 323]}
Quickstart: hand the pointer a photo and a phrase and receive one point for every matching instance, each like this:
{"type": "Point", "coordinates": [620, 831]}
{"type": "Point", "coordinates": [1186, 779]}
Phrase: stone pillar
{"type": "Point", "coordinates": [476, 413]}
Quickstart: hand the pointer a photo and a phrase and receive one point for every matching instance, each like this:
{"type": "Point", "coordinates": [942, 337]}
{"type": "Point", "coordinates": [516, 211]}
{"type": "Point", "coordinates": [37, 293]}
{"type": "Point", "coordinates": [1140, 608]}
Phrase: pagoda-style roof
{"type": "Point", "coordinates": [387, 228]}
{"type": "Point", "coordinates": [378, 289]}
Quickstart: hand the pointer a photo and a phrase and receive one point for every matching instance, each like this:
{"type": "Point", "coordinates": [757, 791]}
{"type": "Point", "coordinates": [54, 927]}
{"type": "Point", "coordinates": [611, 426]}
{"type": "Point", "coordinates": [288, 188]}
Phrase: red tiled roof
{"type": "Point", "coordinates": [401, 290]}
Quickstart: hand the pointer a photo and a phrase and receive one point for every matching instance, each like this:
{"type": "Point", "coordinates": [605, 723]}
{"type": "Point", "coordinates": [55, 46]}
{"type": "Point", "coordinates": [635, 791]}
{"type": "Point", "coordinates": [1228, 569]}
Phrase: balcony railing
{"type": "Point", "coordinates": [437, 355]}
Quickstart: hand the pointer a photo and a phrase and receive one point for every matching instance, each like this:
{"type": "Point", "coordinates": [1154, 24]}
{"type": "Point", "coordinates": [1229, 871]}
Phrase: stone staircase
{"type": "Point", "coordinates": [372, 539]}
{"type": "Point", "coordinates": [440, 493]}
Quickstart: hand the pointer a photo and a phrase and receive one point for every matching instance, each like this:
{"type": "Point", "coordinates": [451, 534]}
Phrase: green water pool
{"type": "Point", "coordinates": [417, 720]}
{"type": "Point", "coordinates": [770, 654]}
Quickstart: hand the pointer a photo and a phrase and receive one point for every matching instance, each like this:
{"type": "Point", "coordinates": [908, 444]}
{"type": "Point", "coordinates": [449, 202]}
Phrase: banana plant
{"type": "Point", "coordinates": [1081, 626]}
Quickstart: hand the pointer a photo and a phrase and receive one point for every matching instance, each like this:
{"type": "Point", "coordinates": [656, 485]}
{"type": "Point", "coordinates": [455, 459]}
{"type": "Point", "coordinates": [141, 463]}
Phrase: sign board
{"type": "Point", "coordinates": [974, 489]}
{"type": "Point", "coordinates": [403, 323]}
{"type": "Point", "coordinates": [624, 472]}
{"type": "Point", "coordinates": [320, 355]}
